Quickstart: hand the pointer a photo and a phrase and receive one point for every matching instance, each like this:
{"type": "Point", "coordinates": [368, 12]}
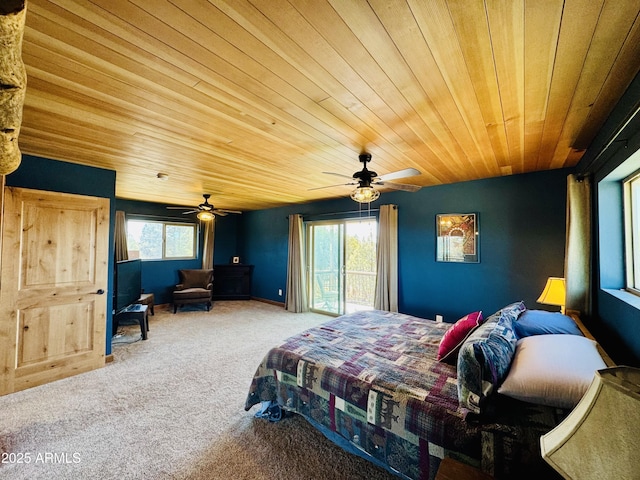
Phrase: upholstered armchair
{"type": "Point", "coordinates": [196, 286]}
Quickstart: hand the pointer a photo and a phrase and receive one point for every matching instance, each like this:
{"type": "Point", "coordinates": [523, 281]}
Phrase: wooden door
{"type": "Point", "coordinates": [53, 286]}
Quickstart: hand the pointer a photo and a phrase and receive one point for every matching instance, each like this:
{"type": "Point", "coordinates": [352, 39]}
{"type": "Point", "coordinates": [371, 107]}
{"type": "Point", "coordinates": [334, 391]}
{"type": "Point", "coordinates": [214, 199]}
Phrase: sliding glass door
{"type": "Point", "coordinates": [326, 258]}
{"type": "Point", "coordinates": [361, 237]}
{"type": "Point", "coordinates": [342, 265]}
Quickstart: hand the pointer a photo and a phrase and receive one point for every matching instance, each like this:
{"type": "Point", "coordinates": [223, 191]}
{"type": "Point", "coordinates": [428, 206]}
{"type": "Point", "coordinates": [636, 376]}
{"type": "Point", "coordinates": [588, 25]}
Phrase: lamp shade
{"type": "Point", "coordinates": [554, 292]}
{"type": "Point", "coordinates": [600, 438]}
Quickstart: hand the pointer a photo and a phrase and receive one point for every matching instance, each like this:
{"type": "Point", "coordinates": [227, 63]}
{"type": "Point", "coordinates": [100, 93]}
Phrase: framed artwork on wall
{"type": "Point", "coordinates": [457, 238]}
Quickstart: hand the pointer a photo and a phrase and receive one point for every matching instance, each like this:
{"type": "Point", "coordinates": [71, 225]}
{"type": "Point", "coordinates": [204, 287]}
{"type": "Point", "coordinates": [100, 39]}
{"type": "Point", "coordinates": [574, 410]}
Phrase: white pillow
{"type": "Point", "coordinates": [553, 370]}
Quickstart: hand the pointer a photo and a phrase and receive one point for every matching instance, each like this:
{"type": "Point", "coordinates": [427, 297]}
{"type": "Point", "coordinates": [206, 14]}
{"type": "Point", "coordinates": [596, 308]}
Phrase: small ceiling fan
{"type": "Point", "coordinates": [205, 210]}
{"type": "Point", "coordinates": [365, 179]}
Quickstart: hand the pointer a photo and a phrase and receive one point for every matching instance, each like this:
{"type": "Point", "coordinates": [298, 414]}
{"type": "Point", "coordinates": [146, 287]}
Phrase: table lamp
{"type": "Point", "coordinates": [554, 293]}
{"type": "Point", "coordinates": [600, 438]}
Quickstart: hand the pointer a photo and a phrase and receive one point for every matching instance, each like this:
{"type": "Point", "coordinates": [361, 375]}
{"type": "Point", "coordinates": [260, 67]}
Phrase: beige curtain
{"type": "Point", "coordinates": [296, 295]}
{"type": "Point", "coordinates": [577, 259]}
{"type": "Point", "coordinates": [120, 234]}
{"type": "Point", "coordinates": [386, 295]}
{"type": "Point", "coordinates": [207, 248]}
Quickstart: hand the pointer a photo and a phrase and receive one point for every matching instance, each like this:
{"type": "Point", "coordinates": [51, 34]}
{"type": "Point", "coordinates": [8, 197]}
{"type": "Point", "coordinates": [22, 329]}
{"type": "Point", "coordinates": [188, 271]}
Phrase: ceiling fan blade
{"type": "Point", "coordinates": [190, 211]}
{"type": "Point", "coordinates": [338, 175]}
{"type": "Point", "coordinates": [330, 186]}
{"type": "Point", "coordinates": [407, 172]}
{"type": "Point", "coordinates": [400, 186]}
{"type": "Point", "coordinates": [219, 213]}
{"type": "Point", "coordinates": [224, 211]}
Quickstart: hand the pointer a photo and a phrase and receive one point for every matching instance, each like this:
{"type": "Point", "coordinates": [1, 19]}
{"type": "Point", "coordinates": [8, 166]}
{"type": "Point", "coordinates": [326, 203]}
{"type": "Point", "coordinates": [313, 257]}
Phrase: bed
{"type": "Point", "coordinates": [379, 384]}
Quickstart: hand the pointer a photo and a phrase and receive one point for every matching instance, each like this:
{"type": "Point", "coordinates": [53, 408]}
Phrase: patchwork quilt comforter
{"type": "Point", "coordinates": [370, 380]}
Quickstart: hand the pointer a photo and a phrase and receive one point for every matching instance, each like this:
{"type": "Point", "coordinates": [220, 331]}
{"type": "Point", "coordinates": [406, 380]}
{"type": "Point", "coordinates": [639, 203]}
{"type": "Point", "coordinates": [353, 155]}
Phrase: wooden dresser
{"type": "Point", "coordinates": [232, 282]}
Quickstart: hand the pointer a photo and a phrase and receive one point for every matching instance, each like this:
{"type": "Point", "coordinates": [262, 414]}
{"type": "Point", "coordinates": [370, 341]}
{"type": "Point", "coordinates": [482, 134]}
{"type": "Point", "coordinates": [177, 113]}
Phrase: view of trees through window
{"type": "Point", "coordinates": [342, 256]}
{"type": "Point", "coordinates": [360, 262]}
{"type": "Point", "coordinates": [160, 240]}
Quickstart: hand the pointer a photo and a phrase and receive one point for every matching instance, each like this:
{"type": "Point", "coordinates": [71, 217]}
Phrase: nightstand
{"type": "Point", "coordinates": [451, 469]}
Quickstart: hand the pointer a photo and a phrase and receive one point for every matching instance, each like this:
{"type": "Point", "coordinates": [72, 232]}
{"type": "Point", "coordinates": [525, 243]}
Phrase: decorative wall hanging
{"type": "Point", "coordinates": [457, 238]}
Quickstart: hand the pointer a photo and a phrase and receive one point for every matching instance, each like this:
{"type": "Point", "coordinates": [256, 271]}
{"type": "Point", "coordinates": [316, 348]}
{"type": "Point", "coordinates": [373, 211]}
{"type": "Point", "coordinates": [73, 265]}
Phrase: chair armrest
{"type": "Point", "coordinates": [180, 286]}
{"type": "Point", "coordinates": [210, 286]}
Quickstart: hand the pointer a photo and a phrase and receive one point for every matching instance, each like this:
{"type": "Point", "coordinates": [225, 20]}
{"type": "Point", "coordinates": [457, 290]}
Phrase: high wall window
{"type": "Point", "coordinates": [632, 231]}
{"type": "Point", "coordinates": [152, 240]}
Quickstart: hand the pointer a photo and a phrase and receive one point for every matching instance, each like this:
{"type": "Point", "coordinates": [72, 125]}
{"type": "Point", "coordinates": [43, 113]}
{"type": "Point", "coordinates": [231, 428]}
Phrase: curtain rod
{"type": "Point", "coordinates": [142, 216]}
{"type": "Point", "coordinates": [614, 138]}
{"type": "Point", "coordinates": [332, 214]}
{"type": "Point", "coordinates": [341, 213]}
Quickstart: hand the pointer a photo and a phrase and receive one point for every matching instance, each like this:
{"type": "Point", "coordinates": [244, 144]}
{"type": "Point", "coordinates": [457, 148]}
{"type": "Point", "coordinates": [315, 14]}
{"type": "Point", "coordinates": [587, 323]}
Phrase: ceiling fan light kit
{"type": "Point", "coordinates": [205, 211]}
{"type": "Point", "coordinates": [365, 194]}
{"type": "Point", "coordinates": [205, 216]}
{"type": "Point", "coordinates": [365, 178]}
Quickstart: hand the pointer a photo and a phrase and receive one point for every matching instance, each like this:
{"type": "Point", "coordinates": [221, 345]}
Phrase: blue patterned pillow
{"type": "Point", "coordinates": [512, 311]}
{"type": "Point", "coordinates": [485, 357]}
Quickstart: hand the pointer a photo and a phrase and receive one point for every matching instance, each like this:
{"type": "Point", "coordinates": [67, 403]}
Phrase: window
{"type": "Point", "coordinates": [150, 240]}
{"type": "Point", "coordinates": [342, 265]}
{"type": "Point", "coordinates": [632, 231]}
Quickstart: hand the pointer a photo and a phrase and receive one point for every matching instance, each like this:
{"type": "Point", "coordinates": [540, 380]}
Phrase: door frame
{"type": "Point", "coordinates": [342, 279]}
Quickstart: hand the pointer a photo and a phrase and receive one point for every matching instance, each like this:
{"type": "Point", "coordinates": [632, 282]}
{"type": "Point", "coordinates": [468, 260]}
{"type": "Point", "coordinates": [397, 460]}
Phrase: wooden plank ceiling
{"type": "Point", "coordinates": [251, 100]}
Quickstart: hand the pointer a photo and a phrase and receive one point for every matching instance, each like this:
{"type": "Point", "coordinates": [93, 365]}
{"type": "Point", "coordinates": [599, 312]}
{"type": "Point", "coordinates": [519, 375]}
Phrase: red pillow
{"type": "Point", "coordinates": [456, 335]}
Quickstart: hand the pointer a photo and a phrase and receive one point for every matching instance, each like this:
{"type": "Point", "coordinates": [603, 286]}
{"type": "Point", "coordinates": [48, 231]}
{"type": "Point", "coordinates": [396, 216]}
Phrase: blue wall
{"type": "Point", "coordinates": [41, 174]}
{"type": "Point", "coordinates": [521, 224]}
{"type": "Point", "coordinates": [614, 154]}
{"type": "Point", "coordinates": [160, 276]}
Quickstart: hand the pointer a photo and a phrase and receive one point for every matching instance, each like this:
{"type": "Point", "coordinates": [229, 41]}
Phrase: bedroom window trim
{"type": "Point", "coordinates": [164, 247]}
{"type": "Point", "coordinates": [631, 196]}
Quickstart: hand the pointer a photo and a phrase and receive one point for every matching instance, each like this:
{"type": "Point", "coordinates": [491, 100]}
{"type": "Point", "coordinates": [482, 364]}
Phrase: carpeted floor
{"type": "Point", "coordinates": [171, 407]}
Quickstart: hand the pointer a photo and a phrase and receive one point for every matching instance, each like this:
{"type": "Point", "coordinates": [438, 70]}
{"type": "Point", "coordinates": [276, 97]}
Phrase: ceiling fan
{"type": "Point", "coordinates": [205, 210]}
{"type": "Point", "coordinates": [365, 179]}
